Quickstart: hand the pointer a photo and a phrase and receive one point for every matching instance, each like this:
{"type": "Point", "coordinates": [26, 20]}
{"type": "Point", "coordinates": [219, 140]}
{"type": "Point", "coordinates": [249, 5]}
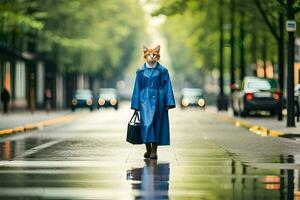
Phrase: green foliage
{"type": "Point", "coordinates": [192, 29]}
{"type": "Point", "coordinates": [192, 32]}
{"type": "Point", "coordinates": [14, 15]}
{"type": "Point", "coordinates": [89, 36]}
{"type": "Point", "coordinates": [97, 33]}
{"type": "Point", "coordinates": [171, 7]}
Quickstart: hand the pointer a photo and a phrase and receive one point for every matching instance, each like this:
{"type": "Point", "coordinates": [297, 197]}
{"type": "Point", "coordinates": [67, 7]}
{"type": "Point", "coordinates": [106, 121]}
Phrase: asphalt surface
{"type": "Point", "coordinates": [88, 158]}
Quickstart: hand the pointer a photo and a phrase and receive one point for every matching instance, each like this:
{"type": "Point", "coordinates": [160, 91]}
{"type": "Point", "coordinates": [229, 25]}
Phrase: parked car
{"type": "Point", "coordinates": [108, 97]}
{"type": "Point", "coordinates": [297, 90]}
{"type": "Point", "coordinates": [82, 99]}
{"type": "Point", "coordinates": [256, 94]}
{"type": "Point", "coordinates": [192, 97]}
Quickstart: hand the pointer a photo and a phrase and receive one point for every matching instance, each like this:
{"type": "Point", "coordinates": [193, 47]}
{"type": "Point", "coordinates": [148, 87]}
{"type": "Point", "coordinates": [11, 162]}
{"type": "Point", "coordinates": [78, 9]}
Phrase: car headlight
{"type": "Point", "coordinates": [89, 102]}
{"type": "Point", "coordinates": [185, 102]}
{"type": "Point", "coordinates": [74, 102]}
{"type": "Point", "coordinates": [201, 102]}
{"type": "Point", "coordinates": [113, 101]}
{"type": "Point", "coordinates": [101, 102]}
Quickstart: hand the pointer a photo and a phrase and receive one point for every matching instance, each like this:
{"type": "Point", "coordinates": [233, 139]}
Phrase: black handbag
{"type": "Point", "coordinates": [134, 130]}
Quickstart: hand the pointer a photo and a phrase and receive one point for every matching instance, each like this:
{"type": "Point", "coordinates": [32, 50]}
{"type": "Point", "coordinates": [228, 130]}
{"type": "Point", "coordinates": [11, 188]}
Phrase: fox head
{"type": "Point", "coordinates": [151, 56]}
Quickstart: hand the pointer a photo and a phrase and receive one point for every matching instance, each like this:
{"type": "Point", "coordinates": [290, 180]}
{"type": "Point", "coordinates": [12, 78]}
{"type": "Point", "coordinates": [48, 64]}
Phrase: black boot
{"type": "Point", "coordinates": [148, 150]}
{"type": "Point", "coordinates": [153, 154]}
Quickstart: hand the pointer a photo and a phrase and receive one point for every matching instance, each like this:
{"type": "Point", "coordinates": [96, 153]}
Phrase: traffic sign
{"type": "Point", "coordinates": [291, 25]}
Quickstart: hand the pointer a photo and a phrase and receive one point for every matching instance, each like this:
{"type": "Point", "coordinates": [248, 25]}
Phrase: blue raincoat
{"type": "Point", "coordinates": [152, 94]}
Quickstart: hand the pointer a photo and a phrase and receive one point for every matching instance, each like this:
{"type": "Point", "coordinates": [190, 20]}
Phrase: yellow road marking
{"type": "Point", "coordinates": [39, 125]}
{"type": "Point", "coordinates": [259, 130]}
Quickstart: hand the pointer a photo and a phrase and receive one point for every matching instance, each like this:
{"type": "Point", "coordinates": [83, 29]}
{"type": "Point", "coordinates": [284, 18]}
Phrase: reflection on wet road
{"type": "Point", "coordinates": [89, 159]}
{"type": "Point", "coordinates": [152, 180]}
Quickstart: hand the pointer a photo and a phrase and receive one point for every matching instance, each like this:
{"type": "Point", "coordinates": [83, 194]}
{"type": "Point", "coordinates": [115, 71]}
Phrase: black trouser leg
{"type": "Point", "coordinates": [5, 107]}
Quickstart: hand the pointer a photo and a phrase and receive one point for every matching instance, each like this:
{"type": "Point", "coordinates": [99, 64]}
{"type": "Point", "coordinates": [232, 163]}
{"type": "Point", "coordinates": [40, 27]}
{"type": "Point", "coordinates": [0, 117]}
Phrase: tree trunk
{"type": "Point", "coordinates": [232, 64]}
{"type": "Point", "coordinates": [242, 36]}
{"type": "Point", "coordinates": [264, 53]}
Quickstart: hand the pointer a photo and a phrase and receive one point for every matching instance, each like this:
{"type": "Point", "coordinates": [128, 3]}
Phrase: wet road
{"type": "Point", "coordinates": [89, 159]}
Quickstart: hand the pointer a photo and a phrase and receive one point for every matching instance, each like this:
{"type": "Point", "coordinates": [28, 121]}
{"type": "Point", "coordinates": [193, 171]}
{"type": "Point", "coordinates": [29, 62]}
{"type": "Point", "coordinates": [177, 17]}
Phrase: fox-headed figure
{"type": "Point", "coordinates": [153, 97]}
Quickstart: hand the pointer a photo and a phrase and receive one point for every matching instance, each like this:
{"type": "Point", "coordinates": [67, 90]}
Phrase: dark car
{"type": "Point", "coordinates": [108, 97]}
{"type": "Point", "coordinates": [256, 94]}
{"type": "Point", "coordinates": [297, 90]}
{"type": "Point", "coordinates": [82, 99]}
{"type": "Point", "coordinates": [192, 97]}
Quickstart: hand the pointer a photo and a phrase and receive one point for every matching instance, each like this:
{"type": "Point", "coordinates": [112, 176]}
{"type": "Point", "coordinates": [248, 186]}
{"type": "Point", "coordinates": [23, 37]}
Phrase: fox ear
{"type": "Point", "coordinates": [157, 48]}
{"type": "Point", "coordinates": [145, 48]}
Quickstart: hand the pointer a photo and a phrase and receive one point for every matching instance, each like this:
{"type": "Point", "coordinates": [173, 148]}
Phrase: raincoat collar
{"type": "Point", "coordinates": [158, 66]}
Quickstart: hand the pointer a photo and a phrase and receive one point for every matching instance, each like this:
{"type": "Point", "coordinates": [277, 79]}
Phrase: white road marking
{"type": "Point", "coordinates": [37, 148]}
{"type": "Point", "coordinates": [94, 193]}
{"type": "Point", "coordinates": [61, 163]}
{"type": "Point", "coordinates": [70, 193]}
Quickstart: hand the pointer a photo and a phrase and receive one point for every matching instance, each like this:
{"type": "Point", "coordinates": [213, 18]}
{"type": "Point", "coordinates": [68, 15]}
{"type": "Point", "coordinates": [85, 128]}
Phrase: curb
{"type": "Point", "coordinates": [258, 130]}
{"type": "Point", "coordinates": [39, 125]}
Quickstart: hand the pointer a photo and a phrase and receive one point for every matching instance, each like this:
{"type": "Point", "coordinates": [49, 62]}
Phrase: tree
{"type": "Point", "coordinates": [91, 37]}
{"type": "Point", "coordinates": [199, 22]}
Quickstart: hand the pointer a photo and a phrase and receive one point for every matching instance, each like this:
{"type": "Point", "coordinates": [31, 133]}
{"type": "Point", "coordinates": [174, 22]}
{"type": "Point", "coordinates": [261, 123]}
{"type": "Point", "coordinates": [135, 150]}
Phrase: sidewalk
{"type": "Point", "coordinates": [22, 121]}
{"type": "Point", "coordinates": [263, 125]}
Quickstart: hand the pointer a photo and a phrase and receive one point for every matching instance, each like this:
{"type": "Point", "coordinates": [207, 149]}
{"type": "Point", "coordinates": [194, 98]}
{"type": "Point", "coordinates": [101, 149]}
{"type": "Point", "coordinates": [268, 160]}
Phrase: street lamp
{"type": "Point", "coordinates": [291, 28]}
{"type": "Point", "coordinates": [222, 101]}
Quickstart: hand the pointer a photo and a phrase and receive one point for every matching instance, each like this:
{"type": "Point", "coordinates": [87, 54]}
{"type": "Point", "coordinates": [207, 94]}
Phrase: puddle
{"type": "Point", "coordinates": [234, 180]}
{"type": "Point", "coordinates": [151, 181]}
{"type": "Point", "coordinates": [207, 173]}
{"type": "Point", "coordinates": [11, 149]}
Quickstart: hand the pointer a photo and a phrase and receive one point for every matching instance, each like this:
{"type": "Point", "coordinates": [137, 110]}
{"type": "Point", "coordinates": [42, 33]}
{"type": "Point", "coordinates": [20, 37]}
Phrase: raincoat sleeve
{"type": "Point", "coordinates": [135, 99]}
{"type": "Point", "coordinates": [170, 101]}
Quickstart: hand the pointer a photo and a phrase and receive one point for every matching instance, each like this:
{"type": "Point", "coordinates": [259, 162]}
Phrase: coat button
{"type": "Point", "coordinates": [153, 97]}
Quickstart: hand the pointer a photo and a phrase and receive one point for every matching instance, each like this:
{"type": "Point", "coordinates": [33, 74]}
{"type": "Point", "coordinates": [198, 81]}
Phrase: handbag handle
{"type": "Point", "coordinates": [135, 115]}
